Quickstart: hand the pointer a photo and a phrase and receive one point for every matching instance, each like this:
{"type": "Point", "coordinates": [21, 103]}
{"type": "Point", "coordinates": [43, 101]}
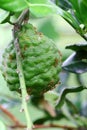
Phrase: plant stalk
{"type": "Point", "coordinates": [22, 84]}
{"type": "Point", "coordinates": [17, 26]}
{"type": "Point", "coordinates": [23, 16]}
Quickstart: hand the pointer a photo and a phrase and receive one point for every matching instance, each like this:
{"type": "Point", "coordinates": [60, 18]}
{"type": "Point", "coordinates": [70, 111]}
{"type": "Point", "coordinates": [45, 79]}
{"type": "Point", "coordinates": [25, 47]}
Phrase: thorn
{"type": "Point", "coordinates": [27, 97]}
{"type": "Point", "coordinates": [22, 109]}
{"type": "Point", "coordinates": [17, 71]}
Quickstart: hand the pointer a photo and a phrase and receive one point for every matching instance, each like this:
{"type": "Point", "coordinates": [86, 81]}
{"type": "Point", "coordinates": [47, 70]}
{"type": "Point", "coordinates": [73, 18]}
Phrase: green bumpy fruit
{"type": "Point", "coordinates": [40, 60]}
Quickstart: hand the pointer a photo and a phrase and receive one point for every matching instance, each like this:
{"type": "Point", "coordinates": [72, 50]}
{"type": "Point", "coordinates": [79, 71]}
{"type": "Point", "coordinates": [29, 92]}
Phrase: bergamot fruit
{"type": "Point", "coordinates": [40, 61]}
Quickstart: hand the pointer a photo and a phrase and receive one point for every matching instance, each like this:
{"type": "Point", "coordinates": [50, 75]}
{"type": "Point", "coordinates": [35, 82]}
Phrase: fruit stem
{"type": "Point", "coordinates": [24, 94]}
{"type": "Point", "coordinates": [24, 16]}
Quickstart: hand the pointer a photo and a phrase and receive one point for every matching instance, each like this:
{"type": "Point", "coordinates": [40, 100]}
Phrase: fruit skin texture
{"type": "Point", "coordinates": [40, 61]}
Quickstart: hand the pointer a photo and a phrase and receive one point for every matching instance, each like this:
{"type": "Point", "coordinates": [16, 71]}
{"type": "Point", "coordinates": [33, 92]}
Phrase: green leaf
{"type": "Point", "coordinates": [13, 5]}
{"type": "Point", "coordinates": [80, 8]}
{"type": "Point", "coordinates": [38, 1]}
{"type": "Point", "coordinates": [38, 8]}
{"type": "Point", "coordinates": [78, 47]}
{"type": "Point", "coordinates": [76, 63]}
{"type": "Point", "coordinates": [2, 126]}
{"type": "Point", "coordinates": [75, 15]}
{"type": "Point", "coordinates": [42, 8]}
{"type": "Point", "coordinates": [70, 18]}
{"type": "Point", "coordinates": [64, 4]}
{"type": "Point", "coordinates": [69, 6]}
{"type": "Point", "coordinates": [75, 4]}
{"type": "Point", "coordinates": [85, 2]}
{"type": "Point", "coordinates": [83, 11]}
{"type": "Point", "coordinates": [4, 16]}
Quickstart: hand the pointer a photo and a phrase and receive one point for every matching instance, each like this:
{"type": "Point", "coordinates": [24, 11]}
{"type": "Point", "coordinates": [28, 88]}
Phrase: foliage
{"type": "Point", "coordinates": [55, 106]}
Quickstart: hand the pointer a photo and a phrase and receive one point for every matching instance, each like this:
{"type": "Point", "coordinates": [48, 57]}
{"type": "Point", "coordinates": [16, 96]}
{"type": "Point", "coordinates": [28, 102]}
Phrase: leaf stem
{"type": "Point", "coordinates": [10, 116]}
{"type": "Point", "coordinates": [41, 126]}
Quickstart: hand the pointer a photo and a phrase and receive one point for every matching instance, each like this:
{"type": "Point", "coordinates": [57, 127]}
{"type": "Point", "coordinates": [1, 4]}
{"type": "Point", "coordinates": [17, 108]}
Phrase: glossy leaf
{"type": "Point", "coordinates": [83, 11]}
{"type": "Point", "coordinates": [68, 7]}
{"type": "Point", "coordinates": [38, 1]}
{"type": "Point", "coordinates": [76, 63]}
{"type": "Point", "coordinates": [64, 4]}
{"type": "Point", "coordinates": [78, 47]}
{"type": "Point", "coordinates": [75, 4]}
{"type": "Point", "coordinates": [41, 10]}
{"type": "Point", "coordinates": [80, 8]}
{"type": "Point", "coordinates": [13, 5]}
{"type": "Point", "coordinates": [70, 18]}
{"type": "Point", "coordinates": [38, 8]}
{"type": "Point", "coordinates": [4, 16]}
{"type": "Point", "coordinates": [73, 15]}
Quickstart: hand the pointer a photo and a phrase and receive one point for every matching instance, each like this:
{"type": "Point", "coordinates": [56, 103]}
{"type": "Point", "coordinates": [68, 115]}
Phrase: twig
{"type": "Point", "coordinates": [11, 116]}
{"type": "Point", "coordinates": [66, 91]}
{"type": "Point", "coordinates": [17, 124]}
{"type": "Point", "coordinates": [55, 126]}
{"type": "Point", "coordinates": [17, 27]}
{"type": "Point", "coordinates": [24, 16]}
{"type": "Point", "coordinates": [47, 126]}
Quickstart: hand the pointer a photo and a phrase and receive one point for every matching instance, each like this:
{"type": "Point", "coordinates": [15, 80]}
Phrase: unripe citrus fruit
{"type": "Point", "coordinates": [40, 60]}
